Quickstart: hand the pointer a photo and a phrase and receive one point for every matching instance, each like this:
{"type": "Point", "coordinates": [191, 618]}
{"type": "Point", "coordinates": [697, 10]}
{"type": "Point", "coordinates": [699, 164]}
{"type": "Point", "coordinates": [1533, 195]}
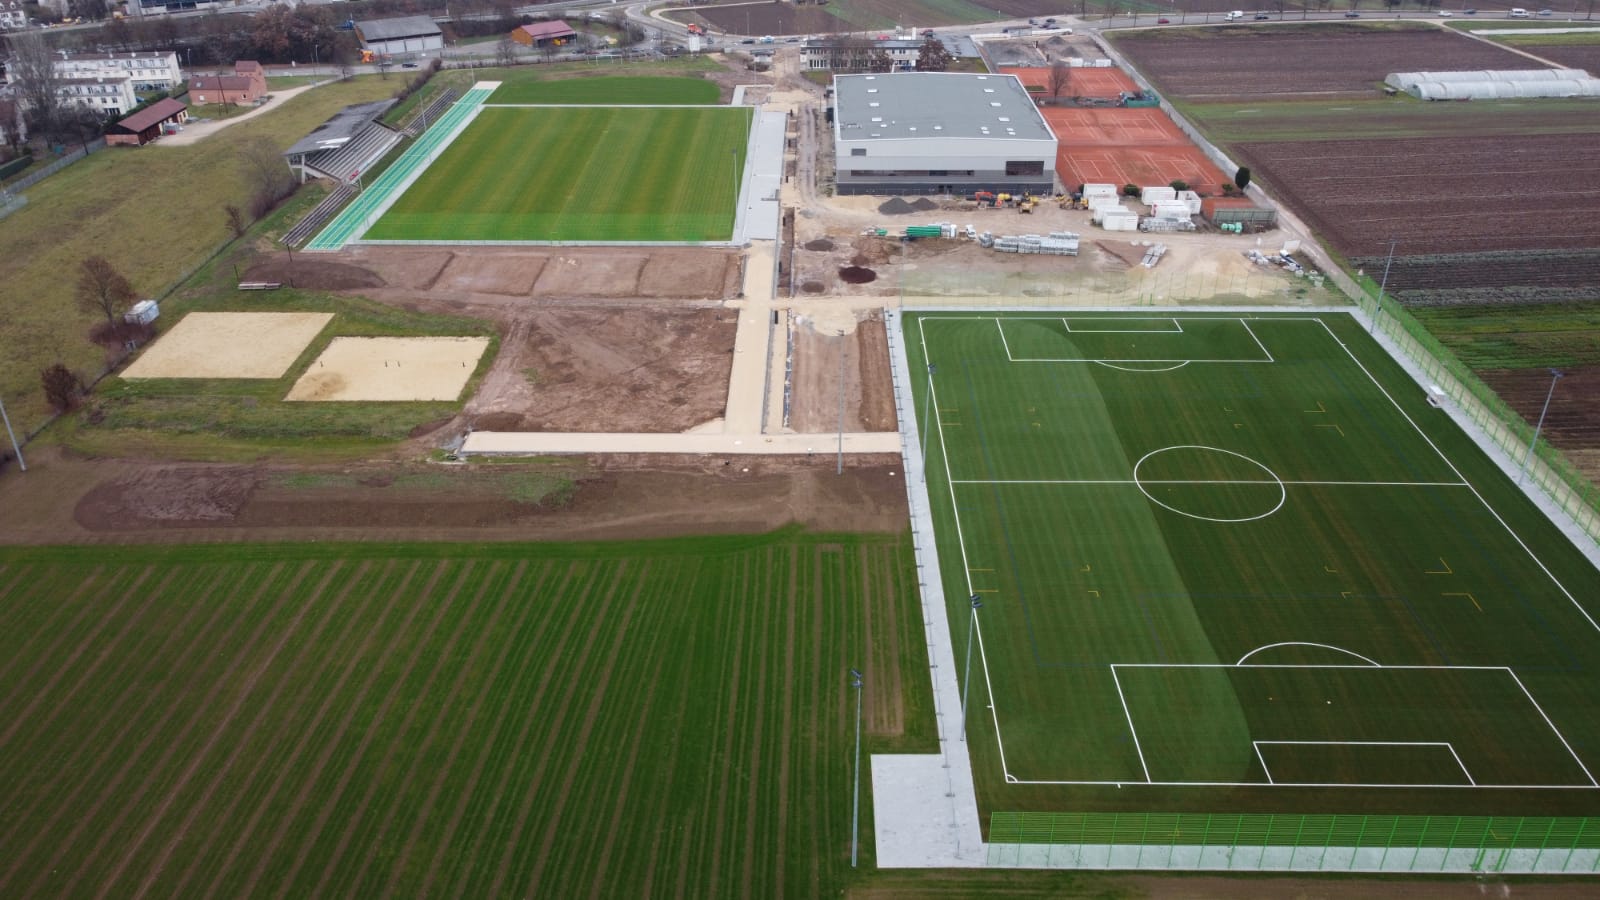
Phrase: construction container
{"type": "Point", "coordinates": [1170, 209]}
{"type": "Point", "coordinates": [1150, 196]}
{"type": "Point", "coordinates": [1091, 192]}
{"type": "Point", "coordinates": [1123, 221]}
{"type": "Point", "coordinates": [1191, 200]}
{"type": "Point", "coordinates": [1098, 214]}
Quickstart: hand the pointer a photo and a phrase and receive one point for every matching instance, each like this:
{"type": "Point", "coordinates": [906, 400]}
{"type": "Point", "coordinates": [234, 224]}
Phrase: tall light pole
{"type": "Point", "coordinates": [1383, 285]}
{"type": "Point", "coordinates": [855, 806]}
{"type": "Point", "coordinates": [966, 680]}
{"type": "Point", "coordinates": [1555, 376]}
{"type": "Point", "coordinates": [15, 447]}
{"type": "Point", "coordinates": [839, 469]}
{"type": "Point", "coordinates": [927, 427]}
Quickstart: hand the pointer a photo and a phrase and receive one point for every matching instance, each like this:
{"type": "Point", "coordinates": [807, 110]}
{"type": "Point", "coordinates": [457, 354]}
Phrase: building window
{"type": "Point", "coordinates": [1024, 167]}
{"type": "Point", "coordinates": [858, 151]}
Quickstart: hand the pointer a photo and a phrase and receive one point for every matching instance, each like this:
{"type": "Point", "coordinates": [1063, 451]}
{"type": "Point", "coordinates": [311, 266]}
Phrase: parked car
{"type": "Point", "coordinates": [1445, 14]}
{"type": "Point", "coordinates": [1163, 21]}
{"type": "Point", "coordinates": [408, 65]}
{"type": "Point", "coordinates": [1469, 12]}
{"type": "Point", "coordinates": [1352, 14]}
{"type": "Point", "coordinates": [1544, 12]}
{"type": "Point", "coordinates": [1261, 15]}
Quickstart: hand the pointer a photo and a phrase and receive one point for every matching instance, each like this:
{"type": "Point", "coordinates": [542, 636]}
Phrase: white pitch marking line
{"type": "Point", "coordinates": [1447, 461]}
{"type": "Point", "coordinates": [997, 326]}
{"type": "Point", "coordinates": [1257, 746]}
{"type": "Point", "coordinates": [1131, 729]}
{"type": "Point", "coordinates": [1092, 482]}
{"type": "Point", "coordinates": [1306, 644]}
{"type": "Point", "coordinates": [1445, 744]}
{"type": "Point", "coordinates": [1554, 730]}
{"type": "Point", "coordinates": [961, 541]}
{"type": "Point", "coordinates": [1176, 329]}
{"type": "Point", "coordinates": [1251, 332]}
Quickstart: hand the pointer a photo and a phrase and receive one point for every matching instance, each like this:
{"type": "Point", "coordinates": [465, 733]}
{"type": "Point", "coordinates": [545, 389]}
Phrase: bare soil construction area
{"type": "Point", "coordinates": [1573, 422]}
{"type": "Point", "coordinates": [785, 18]}
{"type": "Point", "coordinates": [607, 368]}
{"type": "Point", "coordinates": [841, 381]}
{"type": "Point", "coordinates": [556, 272]}
{"type": "Point", "coordinates": [1287, 61]}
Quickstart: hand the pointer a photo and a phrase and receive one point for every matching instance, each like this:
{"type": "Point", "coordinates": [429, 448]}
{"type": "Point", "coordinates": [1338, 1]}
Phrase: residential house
{"type": "Point", "coordinates": [12, 16]}
{"type": "Point", "coordinates": [543, 34]}
{"type": "Point", "coordinates": [247, 84]}
{"type": "Point", "coordinates": [107, 95]}
{"type": "Point", "coordinates": [844, 54]}
{"type": "Point", "coordinates": [156, 71]}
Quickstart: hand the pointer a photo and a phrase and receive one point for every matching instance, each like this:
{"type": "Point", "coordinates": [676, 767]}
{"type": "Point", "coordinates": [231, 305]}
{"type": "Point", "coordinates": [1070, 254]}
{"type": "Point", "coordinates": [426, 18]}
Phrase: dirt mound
{"type": "Point", "coordinates": [923, 204]}
{"type": "Point", "coordinates": [857, 275]}
{"type": "Point", "coordinates": [811, 287]}
{"type": "Point", "coordinates": [314, 274]}
{"type": "Point", "coordinates": [167, 496]}
{"type": "Point", "coordinates": [820, 245]}
{"type": "Point", "coordinates": [498, 421]}
{"type": "Point", "coordinates": [895, 207]}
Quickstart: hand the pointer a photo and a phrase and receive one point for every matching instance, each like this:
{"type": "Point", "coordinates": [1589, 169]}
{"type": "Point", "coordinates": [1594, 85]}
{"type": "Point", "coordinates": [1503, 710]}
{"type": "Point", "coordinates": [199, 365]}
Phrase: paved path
{"type": "Point", "coordinates": [509, 443]}
{"type": "Point", "coordinates": [192, 134]}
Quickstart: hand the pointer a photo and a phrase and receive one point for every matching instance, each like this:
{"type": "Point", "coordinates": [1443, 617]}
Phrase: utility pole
{"type": "Point", "coordinates": [855, 806]}
{"type": "Point", "coordinates": [1382, 286]}
{"type": "Point", "coordinates": [839, 469]}
{"type": "Point", "coordinates": [1555, 376]}
{"type": "Point", "coordinates": [927, 426]}
{"type": "Point", "coordinates": [966, 680]}
{"type": "Point", "coordinates": [15, 447]}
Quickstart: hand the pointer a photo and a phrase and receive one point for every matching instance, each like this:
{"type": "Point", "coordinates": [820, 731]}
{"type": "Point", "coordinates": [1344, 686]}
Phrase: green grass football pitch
{"type": "Point", "coordinates": [579, 174]}
{"type": "Point", "coordinates": [1240, 564]}
{"type": "Point", "coordinates": [650, 90]}
{"type": "Point", "coordinates": [669, 718]}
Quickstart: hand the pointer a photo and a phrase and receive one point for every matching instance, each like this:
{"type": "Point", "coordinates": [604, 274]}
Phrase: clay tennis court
{"type": "Point", "coordinates": [1126, 146]}
{"type": "Point", "coordinates": [1081, 82]}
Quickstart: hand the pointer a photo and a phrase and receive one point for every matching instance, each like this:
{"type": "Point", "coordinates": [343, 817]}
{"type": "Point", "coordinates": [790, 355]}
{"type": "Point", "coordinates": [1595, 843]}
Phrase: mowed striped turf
{"type": "Point", "coordinates": [667, 719]}
{"type": "Point", "coordinates": [579, 174]}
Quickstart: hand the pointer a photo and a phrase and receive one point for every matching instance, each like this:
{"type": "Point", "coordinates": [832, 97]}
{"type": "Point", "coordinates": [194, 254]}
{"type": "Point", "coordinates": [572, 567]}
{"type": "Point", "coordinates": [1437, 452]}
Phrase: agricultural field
{"type": "Point", "coordinates": [1317, 61]}
{"type": "Point", "coordinates": [1438, 195]}
{"type": "Point", "coordinates": [854, 15]}
{"type": "Point", "coordinates": [626, 90]}
{"type": "Point", "coordinates": [649, 719]}
{"type": "Point", "coordinates": [1238, 564]}
{"type": "Point", "coordinates": [581, 174]}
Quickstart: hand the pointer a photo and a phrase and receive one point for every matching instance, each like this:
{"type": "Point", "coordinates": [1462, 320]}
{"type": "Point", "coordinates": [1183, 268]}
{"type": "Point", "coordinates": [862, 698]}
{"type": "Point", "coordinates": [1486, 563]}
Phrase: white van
{"type": "Point", "coordinates": [1518, 12]}
{"type": "Point", "coordinates": [1234, 16]}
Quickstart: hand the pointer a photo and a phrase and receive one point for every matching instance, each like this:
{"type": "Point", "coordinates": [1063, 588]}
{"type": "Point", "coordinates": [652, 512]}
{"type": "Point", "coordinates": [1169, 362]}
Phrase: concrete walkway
{"type": "Point", "coordinates": [512, 443]}
{"type": "Point", "coordinates": [193, 134]}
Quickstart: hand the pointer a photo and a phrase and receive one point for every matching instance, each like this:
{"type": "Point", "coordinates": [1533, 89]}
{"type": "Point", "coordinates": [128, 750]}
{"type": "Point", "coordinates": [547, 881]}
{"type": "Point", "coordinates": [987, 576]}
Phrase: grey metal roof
{"type": "Point", "coordinates": [345, 124]}
{"type": "Point", "coordinates": [935, 105]}
{"type": "Point", "coordinates": [394, 29]}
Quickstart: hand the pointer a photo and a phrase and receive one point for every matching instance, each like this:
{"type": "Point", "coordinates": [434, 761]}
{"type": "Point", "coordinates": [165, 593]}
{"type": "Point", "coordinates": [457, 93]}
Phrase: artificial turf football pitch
{"type": "Point", "coordinates": [539, 173]}
{"type": "Point", "coordinates": [1238, 563]}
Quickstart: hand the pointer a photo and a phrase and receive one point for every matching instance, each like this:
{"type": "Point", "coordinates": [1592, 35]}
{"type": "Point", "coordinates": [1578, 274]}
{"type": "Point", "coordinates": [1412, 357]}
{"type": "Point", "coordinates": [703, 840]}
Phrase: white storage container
{"type": "Point", "coordinates": [1170, 209]}
{"type": "Point", "coordinates": [1191, 200]}
{"type": "Point", "coordinates": [1093, 191]}
{"type": "Point", "coordinates": [1152, 195]}
{"type": "Point", "coordinates": [1125, 221]}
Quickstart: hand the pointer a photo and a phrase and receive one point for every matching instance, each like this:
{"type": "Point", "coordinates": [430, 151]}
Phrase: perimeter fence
{"type": "Point", "coordinates": [1305, 843]}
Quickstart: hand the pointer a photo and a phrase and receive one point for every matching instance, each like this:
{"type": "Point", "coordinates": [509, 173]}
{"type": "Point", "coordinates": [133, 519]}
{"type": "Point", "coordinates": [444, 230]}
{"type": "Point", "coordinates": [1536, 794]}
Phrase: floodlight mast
{"type": "Point", "coordinates": [966, 679]}
{"type": "Point", "coordinates": [855, 806]}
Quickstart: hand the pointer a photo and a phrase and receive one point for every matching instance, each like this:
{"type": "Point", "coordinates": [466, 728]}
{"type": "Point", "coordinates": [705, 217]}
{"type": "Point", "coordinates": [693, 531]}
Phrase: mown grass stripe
{"type": "Point", "coordinates": [75, 603]}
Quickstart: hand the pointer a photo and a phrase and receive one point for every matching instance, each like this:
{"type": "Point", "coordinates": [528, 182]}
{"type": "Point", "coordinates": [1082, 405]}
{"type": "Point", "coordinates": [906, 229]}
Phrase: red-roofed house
{"type": "Point", "coordinates": [144, 126]}
{"type": "Point", "coordinates": [541, 34]}
{"type": "Point", "coordinates": [247, 84]}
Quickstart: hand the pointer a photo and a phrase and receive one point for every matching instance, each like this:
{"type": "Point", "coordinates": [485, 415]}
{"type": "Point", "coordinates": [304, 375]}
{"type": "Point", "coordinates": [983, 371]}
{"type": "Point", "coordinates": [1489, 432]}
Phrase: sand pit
{"type": "Point", "coordinates": [390, 369]}
{"type": "Point", "coordinates": [229, 345]}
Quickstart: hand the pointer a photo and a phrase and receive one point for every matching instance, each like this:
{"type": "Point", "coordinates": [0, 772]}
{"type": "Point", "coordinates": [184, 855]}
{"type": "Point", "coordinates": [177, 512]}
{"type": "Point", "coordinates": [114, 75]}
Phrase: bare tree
{"type": "Point", "coordinates": [33, 71]}
{"type": "Point", "coordinates": [269, 177]}
{"type": "Point", "coordinates": [237, 223]}
{"type": "Point", "coordinates": [1060, 77]}
{"type": "Point", "coordinates": [102, 289]}
{"type": "Point", "coordinates": [62, 387]}
{"type": "Point", "coordinates": [505, 51]}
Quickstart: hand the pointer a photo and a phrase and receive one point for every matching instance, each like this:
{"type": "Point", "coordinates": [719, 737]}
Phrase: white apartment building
{"type": "Point", "coordinates": [109, 95]}
{"type": "Point", "coordinates": [148, 71]}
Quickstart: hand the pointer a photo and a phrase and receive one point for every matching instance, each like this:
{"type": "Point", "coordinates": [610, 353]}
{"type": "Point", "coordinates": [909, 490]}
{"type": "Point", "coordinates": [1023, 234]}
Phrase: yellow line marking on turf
{"type": "Point", "coordinates": [1334, 427]}
{"type": "Point", "coordinates": [1085, 568]}
{"type": "Point", "coordinates": [986, 590]}
{"type": "Point", "coordinates": [1238, 424]}
{"type": "Point", "coordinates": [1330, 570]}
{"type": "Point", "coordinates": [1345, 594]}
{"type": "Point", "coordinates": [1227, 409]}
{"type": "Point", "coordinates": [1037, 425]}
{"type": "Point", "coordinates": [1319, 410]}
{"type": "Point", "coordinates": [969, 569]}
{"type": "Point", "coordinates": [1096, 593]}
{"type": "Point", "coordinates": [1447, 569]}
{"type": "Point", "coordinates": [1468, 596]}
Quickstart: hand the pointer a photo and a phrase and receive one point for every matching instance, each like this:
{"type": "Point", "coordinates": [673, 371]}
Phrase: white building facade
{"type": "Point", "coordinates": [408, 36]}
{"type": "Point", "coordinates": [146, 71]}
{"type": "Point", "coordinates": [939, 133]}
{"type": "Point", "coordinates": [108, 96]}
{"type": "Point", "coordinates": [12, 16]}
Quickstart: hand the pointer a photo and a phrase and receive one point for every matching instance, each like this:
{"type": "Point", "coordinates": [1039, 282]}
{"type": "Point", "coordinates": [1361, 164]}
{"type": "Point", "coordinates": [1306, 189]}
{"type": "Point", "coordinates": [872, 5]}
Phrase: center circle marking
{"type": "Point", "coordinates": [1283, 493]}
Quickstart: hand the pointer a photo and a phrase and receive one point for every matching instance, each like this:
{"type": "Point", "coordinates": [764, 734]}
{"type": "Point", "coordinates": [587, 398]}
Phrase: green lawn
{"type": "Point", "coordinates": [611, 91]}
{"type": "Point", "coordinates": [1517, 337]}
{"type": "Point", "coordinates": [579, 174]}
{"type": "Point", "coordinates": [629, 720]}
{"type": "Point", "coordinates": [72, 215]}
{"type": "Point", "coordinates": [1146, 502]}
